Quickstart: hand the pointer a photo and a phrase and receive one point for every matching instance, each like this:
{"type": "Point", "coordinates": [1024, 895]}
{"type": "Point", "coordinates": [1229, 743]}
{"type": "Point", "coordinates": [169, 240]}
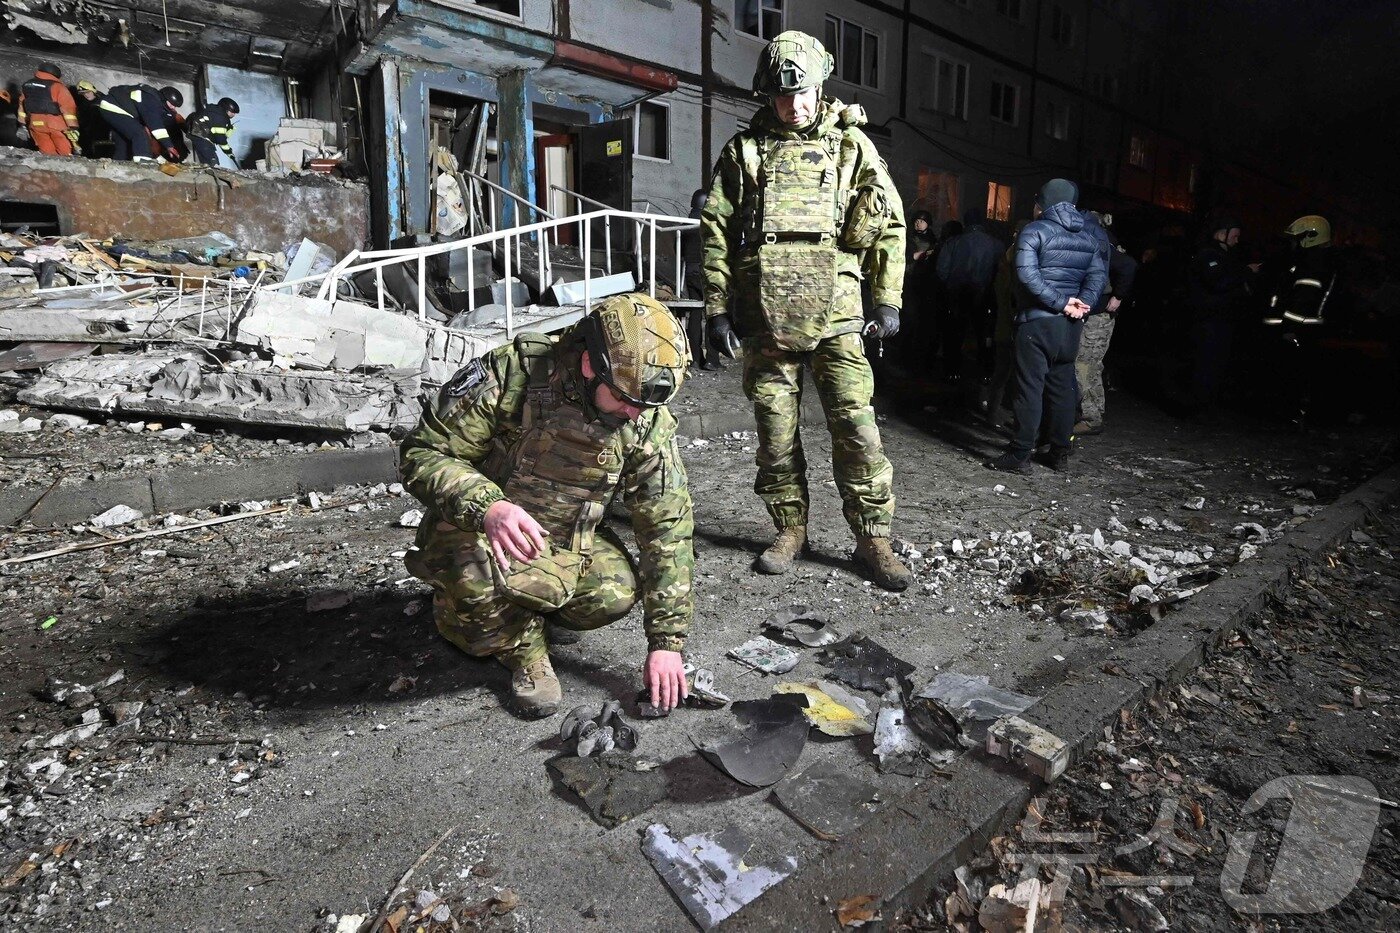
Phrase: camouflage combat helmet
{"type": "Point", "coordinates": [1311, 231]}
{"type": "Point", "coordinates": [792, 62]}
{"type": "Point", "coordinates": [637, 348]}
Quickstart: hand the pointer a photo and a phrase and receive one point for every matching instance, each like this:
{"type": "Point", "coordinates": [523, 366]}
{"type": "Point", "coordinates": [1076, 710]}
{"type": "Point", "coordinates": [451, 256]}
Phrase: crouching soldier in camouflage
{"type": "Point", "coordinates": [515, 465]}
{"type": "Point", "coordinates": [800, 209]}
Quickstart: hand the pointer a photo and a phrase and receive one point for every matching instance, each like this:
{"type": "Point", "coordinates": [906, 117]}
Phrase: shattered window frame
{"type": "Point", "coordinates": [860, 64]}
{"type": "Point", "coordinates": [664, 135]}
{"type": "Point", "coordinates": [497, 8]}
{"type": "Point", "coordinates": [759, 19]}
{"type": "Point", "coordinates": [947, 92]}
{"type": "Point", "coordinates": [999, 200]}
{"type": "Point", "coordinates": [1006, 102]}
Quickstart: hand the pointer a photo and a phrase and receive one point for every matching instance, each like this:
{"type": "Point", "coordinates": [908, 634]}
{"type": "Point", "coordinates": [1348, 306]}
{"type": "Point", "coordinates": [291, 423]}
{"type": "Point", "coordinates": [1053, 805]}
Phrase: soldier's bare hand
{"type": "Point", "coordinates": [665, 676]}
{"type": "Point", "coordinates": [513, 533]}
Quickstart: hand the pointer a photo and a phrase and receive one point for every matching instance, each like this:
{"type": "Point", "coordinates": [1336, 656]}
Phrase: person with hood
{"type": "Point", "coordinates": [47, 107]}
{"type": "Point", "coordinates": [967, 264]}
{"type": "Point", "coordinates": [1098, 326]}
{"type": "Point", "coordinates": [1217, 292]}
{"type": "Point", "coordinates": [135, 110]}
{"type": "Point", "coordinates": [1060, 272]}
{"type": "Point", "coordinates": [802, 209]}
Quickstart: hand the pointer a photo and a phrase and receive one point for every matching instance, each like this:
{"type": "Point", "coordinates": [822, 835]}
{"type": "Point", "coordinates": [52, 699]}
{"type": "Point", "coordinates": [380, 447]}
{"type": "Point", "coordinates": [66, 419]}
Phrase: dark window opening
{"type": "Point", "coordinates": [35, 219]}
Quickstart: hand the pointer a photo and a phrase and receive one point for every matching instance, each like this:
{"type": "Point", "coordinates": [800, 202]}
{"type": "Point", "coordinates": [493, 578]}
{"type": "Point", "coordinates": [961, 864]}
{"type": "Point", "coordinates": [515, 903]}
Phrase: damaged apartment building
{"type": "Point", "coordinates": [416, 182]}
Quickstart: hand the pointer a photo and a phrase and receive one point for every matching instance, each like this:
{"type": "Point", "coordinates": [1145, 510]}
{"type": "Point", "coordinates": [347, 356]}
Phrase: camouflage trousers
{"type": "Point", "coordinates": [773, 382]}
{"type": "Point", "coordinates": [1088, 366]}
{"type": "Point", "coordinates": [473, 616]}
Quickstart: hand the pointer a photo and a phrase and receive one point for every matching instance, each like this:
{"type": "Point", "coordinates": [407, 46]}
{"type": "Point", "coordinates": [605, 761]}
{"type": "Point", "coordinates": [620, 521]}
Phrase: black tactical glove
{"type": "Point", "coordinates": [722, 337]}
{"type": "Point", "coordinates": [884, 322]}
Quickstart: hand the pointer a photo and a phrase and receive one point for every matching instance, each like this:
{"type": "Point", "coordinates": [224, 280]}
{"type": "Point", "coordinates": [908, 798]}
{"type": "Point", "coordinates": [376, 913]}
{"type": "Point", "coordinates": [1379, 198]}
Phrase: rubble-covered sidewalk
{"type": "Point", "coordinates": [288, 736]}
{"type": "Point", "coordinates": [1165, 825]}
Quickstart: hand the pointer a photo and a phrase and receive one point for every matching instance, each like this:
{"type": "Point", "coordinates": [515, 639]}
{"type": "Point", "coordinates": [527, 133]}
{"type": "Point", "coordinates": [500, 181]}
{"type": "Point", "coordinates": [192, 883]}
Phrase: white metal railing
{"type": "Point", "coordinates": [493, 193]}
{"type": "Point", "coordinates": [508, 241]}
{"type": "Point", "coordinates": [221, 298]}
{"type": "Point", "coordinates": [667, 227]}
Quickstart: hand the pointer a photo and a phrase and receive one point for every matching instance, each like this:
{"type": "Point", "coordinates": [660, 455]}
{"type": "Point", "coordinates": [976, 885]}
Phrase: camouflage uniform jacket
{"type": "Point", "coordinates": [483, 408]}
{"type": "Point", "coordinates": [735, 191]}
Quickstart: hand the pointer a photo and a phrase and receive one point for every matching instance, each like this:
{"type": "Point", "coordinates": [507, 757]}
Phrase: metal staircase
{"type": "Point", "coordinates": [476, 293]}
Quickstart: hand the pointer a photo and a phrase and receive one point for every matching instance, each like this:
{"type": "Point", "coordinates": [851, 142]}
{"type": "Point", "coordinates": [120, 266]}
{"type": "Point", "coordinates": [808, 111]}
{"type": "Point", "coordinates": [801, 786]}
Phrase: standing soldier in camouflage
{"type": "Point", "coordinates": [801, 209]}
{"type": "Point", "coordinates": [516, 464]}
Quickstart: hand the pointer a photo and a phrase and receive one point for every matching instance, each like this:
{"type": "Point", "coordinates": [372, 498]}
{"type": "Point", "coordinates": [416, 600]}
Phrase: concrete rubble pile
{"type": "Point", "coordinates": [206, 328]}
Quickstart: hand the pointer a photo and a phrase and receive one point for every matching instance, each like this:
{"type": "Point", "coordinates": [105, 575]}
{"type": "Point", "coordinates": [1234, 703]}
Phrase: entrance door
{"type": "Point", "coordinates": [554, 166]}
{"type": "Point", "coordinates": [605, 175]}
{"type": "Point", "coordinates": [605, 163]}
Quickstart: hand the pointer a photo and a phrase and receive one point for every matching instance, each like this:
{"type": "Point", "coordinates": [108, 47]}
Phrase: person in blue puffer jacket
{"type": "Point", "coordinates": [1060, 271]}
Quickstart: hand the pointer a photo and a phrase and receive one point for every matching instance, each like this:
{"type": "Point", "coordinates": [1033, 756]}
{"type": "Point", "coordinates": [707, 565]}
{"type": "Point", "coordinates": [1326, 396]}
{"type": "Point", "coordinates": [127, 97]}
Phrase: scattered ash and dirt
{"type": "Point", "coordinates": [345, 736]}
{"type": "Point", "coordinates": [1143, 829]}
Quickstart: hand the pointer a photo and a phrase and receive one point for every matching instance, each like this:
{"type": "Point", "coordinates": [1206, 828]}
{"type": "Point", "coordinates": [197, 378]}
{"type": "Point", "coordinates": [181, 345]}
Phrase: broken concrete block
{"type": "Point", "coordinates": [333, 334]}
{"type": "Point", "coordinates": [65, 422]}
{"type": "Point", "coordinates": [115, 516]}
{"type": "Point", "coordinates": [411, 519]}
{"type": "Point", "coordinates": [20, 426]}
{"type": "Point", "coordinates": [76, 734]}
{"type": "Point", "coordinates": [1040, 751]}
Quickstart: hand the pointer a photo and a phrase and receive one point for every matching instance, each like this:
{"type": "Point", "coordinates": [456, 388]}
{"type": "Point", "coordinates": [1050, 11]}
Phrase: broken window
{"type": "Point", "coordinates": [857, 52]}
{"type": "Point", "coordinates": [999, 199]}
{"type": "Point", "coordinates": [507, 7]}
{"type": "Point", "coordinates": [653, 131]}
{"type": "Point", "coordinates": [1005, 98]}
{"type": "Point", "coordinates": [40, 219]}
{"type": "Point", "coordinates": [947, 92]}
{"type": "Point", "coordinates": [1057, 121]}
{"type": "Point", "coordinates": [762, 19]}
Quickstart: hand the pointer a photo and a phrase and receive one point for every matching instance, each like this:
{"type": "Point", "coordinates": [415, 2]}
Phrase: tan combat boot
{"type": "Point", "coordinates": [790, 542]}
{"type": "Point", "coordinates": [886, 570]}
{"type": "Point", "coordinates": [534, 690]}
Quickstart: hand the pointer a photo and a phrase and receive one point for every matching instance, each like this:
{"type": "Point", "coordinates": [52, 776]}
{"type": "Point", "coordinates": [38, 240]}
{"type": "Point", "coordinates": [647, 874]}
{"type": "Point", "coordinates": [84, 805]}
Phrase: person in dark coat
{"type": "Point", "coordinates": [1217, 292]}
{"type": "Point", "coordinates": [966, 266]}
{"type": "Point", "coordinates": [1060, 273]}
{"type": "Point", "coordinates": [916, 346]}
{"type": "Point", "coordinates": [136, 114]}
{"type": "Point", "coordinates": [9, 119]}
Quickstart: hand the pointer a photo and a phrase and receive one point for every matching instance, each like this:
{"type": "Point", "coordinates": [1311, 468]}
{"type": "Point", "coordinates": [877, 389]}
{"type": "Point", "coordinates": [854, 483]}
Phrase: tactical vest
{"type": "Point", "coordinates": [38, 97]}
{"type": "Point", "coordinates": [797, 213]}
{"type": "Point", "coordinates": [562, 468]}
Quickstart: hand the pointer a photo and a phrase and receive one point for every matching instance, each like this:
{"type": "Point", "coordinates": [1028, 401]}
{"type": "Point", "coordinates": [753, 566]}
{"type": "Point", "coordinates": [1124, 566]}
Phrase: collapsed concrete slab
{"type": "Point", "coordinates": [103, 322]}
{"type": "Point", "coordinates": [324, 334]}
{"type": "Point", "coordinates": [185, 385]}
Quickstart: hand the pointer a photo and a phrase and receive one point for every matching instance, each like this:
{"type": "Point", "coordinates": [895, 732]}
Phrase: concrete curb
{"type": "Point", "coordinates": [200, 487]}
{"type": "Point", "coordinates": [270, 478]}
{"type": "Point", "coordinates": [917, 841]}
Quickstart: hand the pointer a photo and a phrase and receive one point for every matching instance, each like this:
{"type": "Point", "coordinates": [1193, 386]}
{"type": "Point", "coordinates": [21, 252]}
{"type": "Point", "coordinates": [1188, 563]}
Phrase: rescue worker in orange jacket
{"type": "Point", "coordinates": [47, 107]}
